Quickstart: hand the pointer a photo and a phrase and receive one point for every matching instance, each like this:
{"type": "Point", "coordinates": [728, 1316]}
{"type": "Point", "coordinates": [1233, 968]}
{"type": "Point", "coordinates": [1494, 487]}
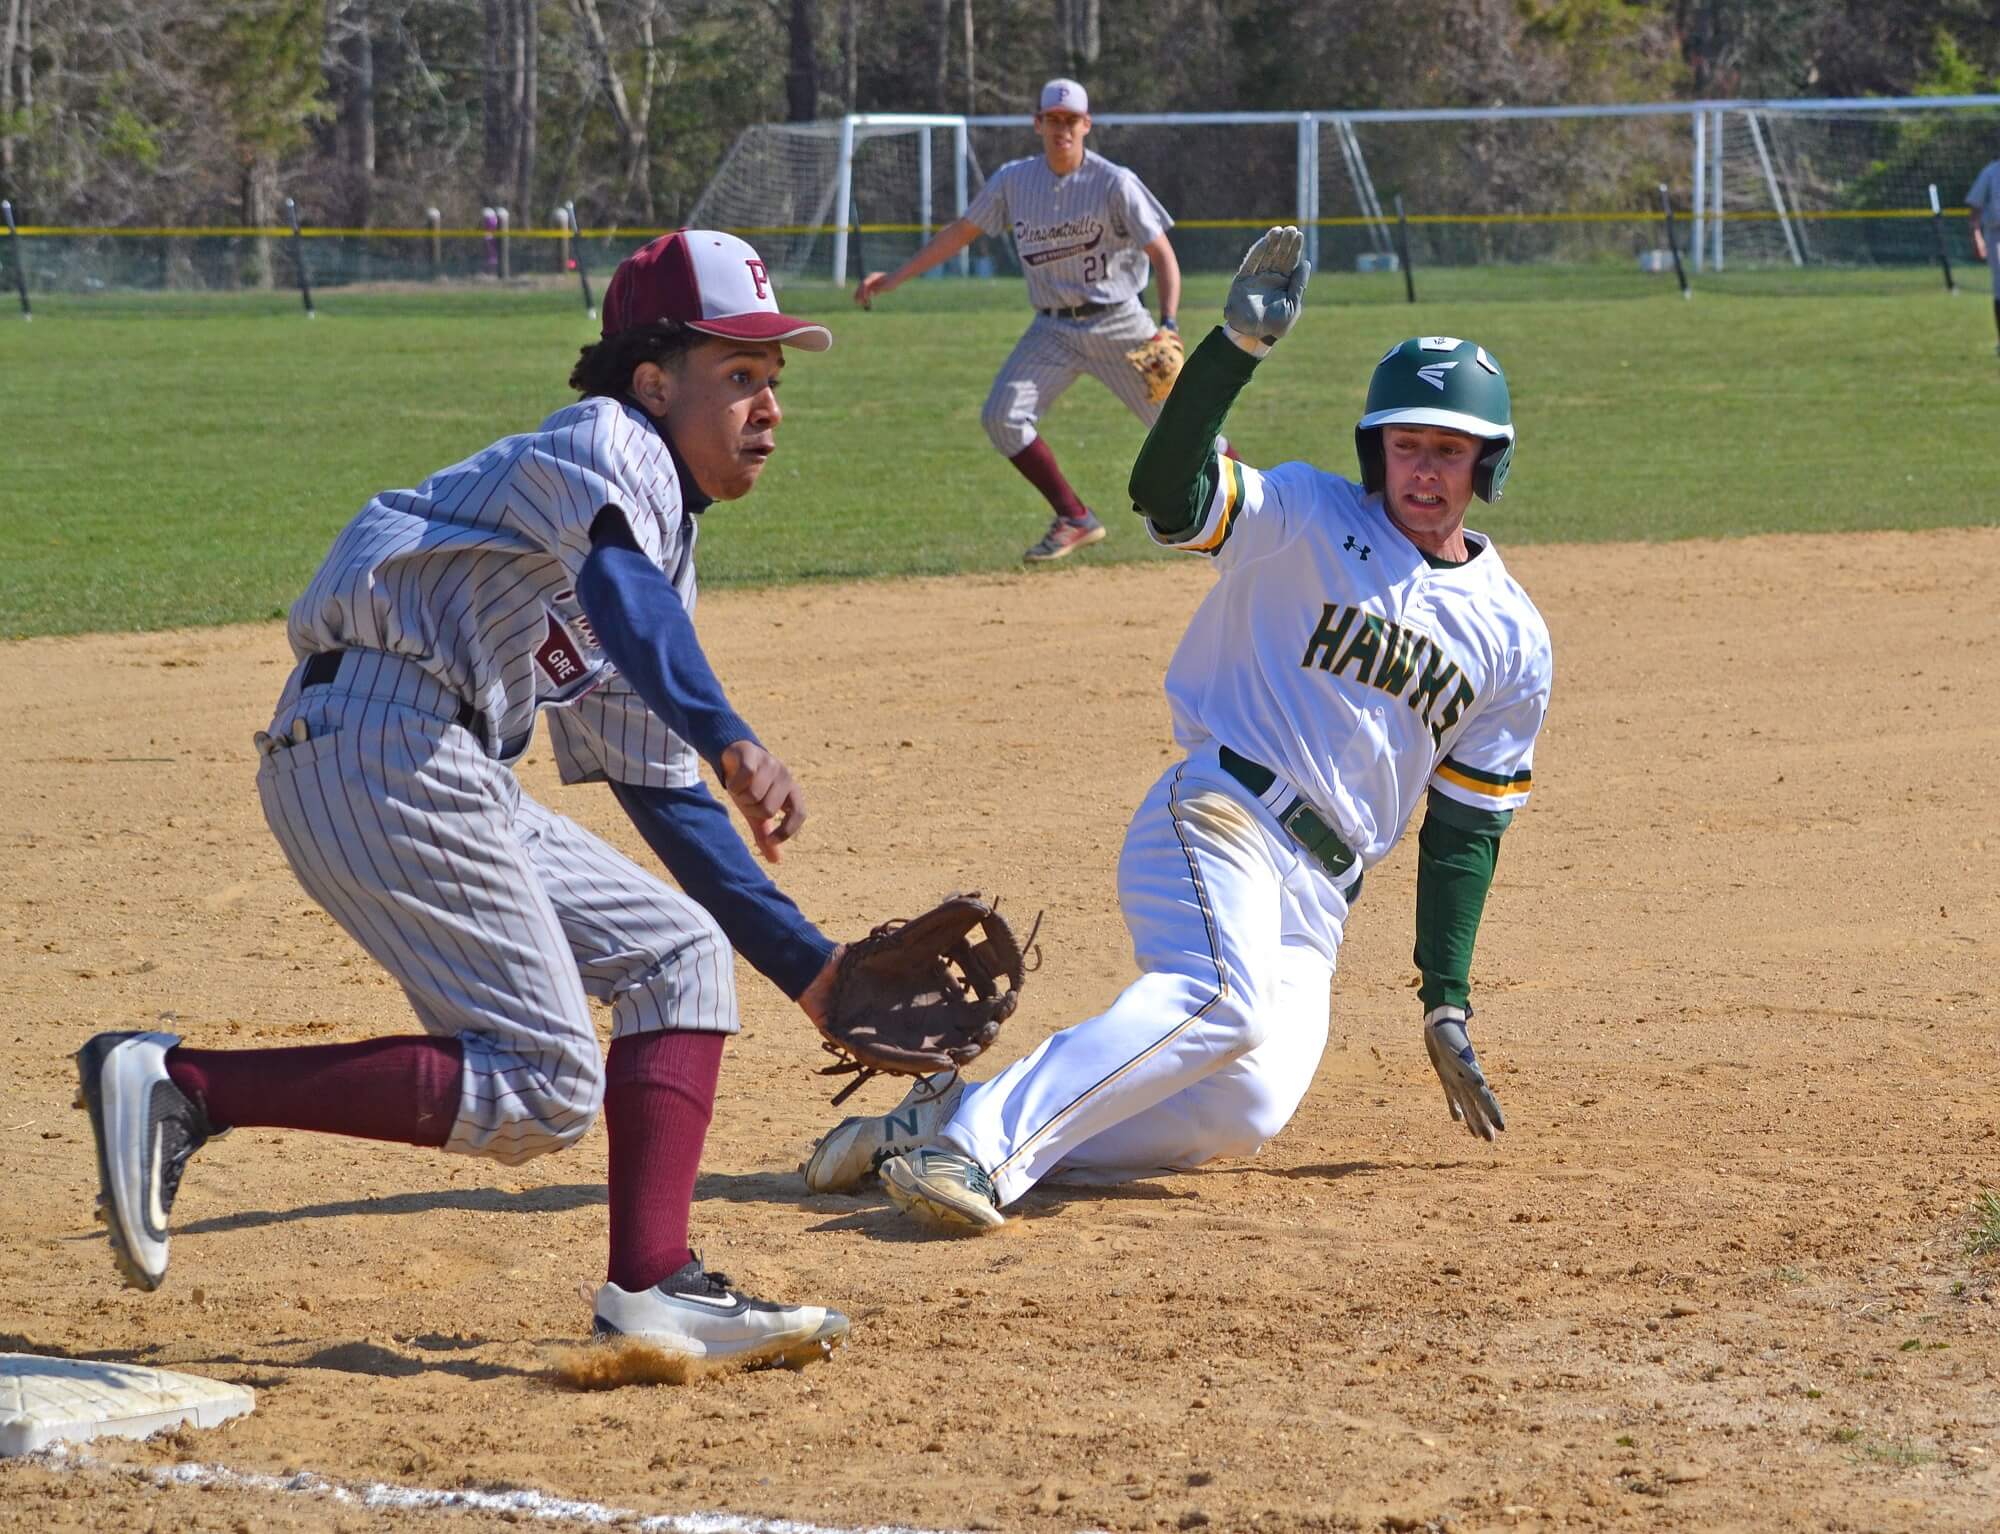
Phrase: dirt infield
{"type": "Point", "coordinates": [1735, 987]}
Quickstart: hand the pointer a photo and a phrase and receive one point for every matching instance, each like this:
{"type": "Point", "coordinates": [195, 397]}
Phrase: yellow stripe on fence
{"type": "Point", "coordinates": [1764, 215]}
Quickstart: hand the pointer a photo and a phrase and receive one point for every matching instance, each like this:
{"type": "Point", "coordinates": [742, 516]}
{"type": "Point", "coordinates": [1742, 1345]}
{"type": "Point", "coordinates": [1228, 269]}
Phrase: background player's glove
{"type": "Point", "coordinates": [923, 995]}
{"type": "Point", "coordinates": [1465, 1090]}
{"type": "Point", "coordinates": [1159, 363]}
{"type": "Point", "coordinates": [1270, 287]}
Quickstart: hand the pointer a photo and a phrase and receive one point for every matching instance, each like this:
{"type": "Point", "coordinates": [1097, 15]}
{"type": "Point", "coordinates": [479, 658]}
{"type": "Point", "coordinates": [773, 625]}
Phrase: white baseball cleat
{"type": "Point", "coordinates": [146, 1130]}
{"type": "Point", "coordinates": [695, 1314]}
{"type": "Point", "coordinates": [943, 1189]}
{"type": "Point", "coordinates": [856, 1146]}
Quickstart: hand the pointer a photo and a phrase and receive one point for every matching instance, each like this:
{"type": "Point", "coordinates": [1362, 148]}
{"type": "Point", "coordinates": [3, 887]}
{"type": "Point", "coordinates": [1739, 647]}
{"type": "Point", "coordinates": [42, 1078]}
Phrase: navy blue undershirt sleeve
{"type": "Point", "coordinates": [691, 832]}
{"type": "Point", "coordinates": [649, 636]}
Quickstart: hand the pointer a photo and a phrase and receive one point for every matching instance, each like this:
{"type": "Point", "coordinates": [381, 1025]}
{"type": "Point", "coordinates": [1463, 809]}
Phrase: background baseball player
{"type": "Point", "coordinates": [1361, 650]}
{"type": "Point", "coordinates": [1088, 234]}
{"type": "Point", "coordinates": [554, 570]}
{"type": "Point", "coordinates": [1984, 200]}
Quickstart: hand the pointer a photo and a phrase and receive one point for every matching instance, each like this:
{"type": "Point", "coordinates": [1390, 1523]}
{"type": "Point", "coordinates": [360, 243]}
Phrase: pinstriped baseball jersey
{"type": "Point", "coordinates": [473, 573]}
{"type": "Point", "coordinates": [1081, 237]}
{"type": "Point", "coordinates": [1349, 664]}
{"type": "Point", "coordinates": [1983, 198]}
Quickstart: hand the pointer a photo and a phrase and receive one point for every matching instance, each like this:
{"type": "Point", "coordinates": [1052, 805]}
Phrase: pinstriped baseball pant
{"type": "Point", "coordinates": [1210, 1051]}
{"type": "Point", "coordinates": [497, 916]}
{"type": "Point", "coordinates": [1051, 356]}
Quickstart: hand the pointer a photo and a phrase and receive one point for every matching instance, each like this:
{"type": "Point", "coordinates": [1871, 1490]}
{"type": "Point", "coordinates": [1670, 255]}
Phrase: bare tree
{"type": "Point", "coordinates": [1082, 31]}
{"type": "Point", "coordinates": [850, 52]}
{"type": "Point", "coordinates": [527, 30]}
{"type": "Point", "coordinates": [971, 88]}
{"type": "Point", "coordinates": [629, 114]}
{"type": "Point", "coordinates": [941, 70]}
{"type": "Point", "coordinates": [802, 78]}
{"type": "Point", "coordinates": [18, 18]}
{"type": "Point", "coordinates": [349, 61]}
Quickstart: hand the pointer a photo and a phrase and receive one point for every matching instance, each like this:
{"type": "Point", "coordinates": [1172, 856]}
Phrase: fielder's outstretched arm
{"type": "Point", "coordinates": [689, 830]}
{"type": "Point", "coordinates": [943, 245]}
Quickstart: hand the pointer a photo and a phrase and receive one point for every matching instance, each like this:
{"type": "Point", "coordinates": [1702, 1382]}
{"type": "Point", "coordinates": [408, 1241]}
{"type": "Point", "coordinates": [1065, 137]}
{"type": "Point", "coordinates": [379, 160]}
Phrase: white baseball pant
{"type": "Point", "coordinates": [1210, 1051]}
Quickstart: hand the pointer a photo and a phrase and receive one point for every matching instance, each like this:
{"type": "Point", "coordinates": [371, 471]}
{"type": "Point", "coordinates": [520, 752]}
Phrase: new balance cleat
{"type": "Point", "coordinates": [856, 1146]}
{"type": "Point", "coordinates": [146, 1130]}
{"type": "Point", "coordinates": [942, 1189]}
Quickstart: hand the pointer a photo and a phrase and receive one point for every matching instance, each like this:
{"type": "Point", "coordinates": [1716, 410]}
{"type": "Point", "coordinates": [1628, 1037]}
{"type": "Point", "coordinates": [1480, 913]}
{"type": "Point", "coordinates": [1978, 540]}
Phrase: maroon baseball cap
{"type": "Point", "coordinates": [709, 281]}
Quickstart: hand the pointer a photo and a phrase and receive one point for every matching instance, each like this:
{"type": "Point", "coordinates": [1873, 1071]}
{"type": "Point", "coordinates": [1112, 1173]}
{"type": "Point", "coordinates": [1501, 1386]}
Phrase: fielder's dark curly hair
{"type": "Point", "coordinates": [605, 367]}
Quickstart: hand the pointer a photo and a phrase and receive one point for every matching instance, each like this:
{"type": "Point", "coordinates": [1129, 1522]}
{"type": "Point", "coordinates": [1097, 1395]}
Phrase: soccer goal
{"type": "Point", "coordinates": [1763, 183]}
{"type": "Point", "coordinates": [858, 192]}
{"type": "Point", "coordinates": [1834, 182]}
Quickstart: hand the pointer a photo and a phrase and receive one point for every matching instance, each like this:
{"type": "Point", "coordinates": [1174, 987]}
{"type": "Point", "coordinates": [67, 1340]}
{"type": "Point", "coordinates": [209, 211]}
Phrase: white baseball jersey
{"type": "Point", "coordinates": [473, 573]}
{"type": "Point", "coordinates": [1334, 654]}
{"type": "Point", "coordinates": [1081, 238]}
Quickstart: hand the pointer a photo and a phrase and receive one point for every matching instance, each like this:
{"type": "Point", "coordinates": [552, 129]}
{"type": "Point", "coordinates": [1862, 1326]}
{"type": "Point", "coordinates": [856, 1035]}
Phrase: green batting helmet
{"type": "Point", "coordinates": [1439, 381]}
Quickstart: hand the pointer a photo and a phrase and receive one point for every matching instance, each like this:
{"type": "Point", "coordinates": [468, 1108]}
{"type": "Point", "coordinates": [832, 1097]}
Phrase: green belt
{"type": "Point", "coordinates": [1319, 839]}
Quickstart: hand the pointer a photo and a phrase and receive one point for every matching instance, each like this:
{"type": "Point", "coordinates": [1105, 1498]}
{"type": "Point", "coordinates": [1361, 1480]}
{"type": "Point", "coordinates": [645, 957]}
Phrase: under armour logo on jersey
{"type": "Point", "coordinates": [761, 276]}
{"type": "Point", "coordinates": [1433, 374]}
{"type": "Point", "coordinates": [1364, 549]}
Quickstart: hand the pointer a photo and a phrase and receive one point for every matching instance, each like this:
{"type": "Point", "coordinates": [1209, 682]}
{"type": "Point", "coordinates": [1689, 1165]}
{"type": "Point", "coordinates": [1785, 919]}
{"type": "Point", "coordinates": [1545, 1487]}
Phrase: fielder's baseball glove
{"type": "Point", "coordinates": [1159, 363]}
{"type": "Point", "coordinates": [924, 995]}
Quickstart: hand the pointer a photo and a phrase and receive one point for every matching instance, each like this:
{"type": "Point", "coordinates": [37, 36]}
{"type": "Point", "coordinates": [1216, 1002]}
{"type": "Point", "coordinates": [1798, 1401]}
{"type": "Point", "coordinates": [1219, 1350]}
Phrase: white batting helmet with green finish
{"type": "Point", "coordinates": [1439, 381]}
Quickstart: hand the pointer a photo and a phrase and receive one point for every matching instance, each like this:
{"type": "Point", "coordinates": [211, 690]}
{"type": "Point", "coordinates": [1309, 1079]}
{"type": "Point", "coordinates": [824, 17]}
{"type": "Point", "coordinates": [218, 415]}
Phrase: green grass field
{"type": "Point", "coordinates": [173, 460]}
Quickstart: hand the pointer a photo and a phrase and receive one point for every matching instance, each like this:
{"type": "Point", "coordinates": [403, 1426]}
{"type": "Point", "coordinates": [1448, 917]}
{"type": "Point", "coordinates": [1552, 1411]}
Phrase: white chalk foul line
{"type": "Point", "coordinates": [522, 1504]}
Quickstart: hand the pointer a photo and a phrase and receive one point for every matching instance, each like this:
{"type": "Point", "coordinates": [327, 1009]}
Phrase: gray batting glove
{"type": "Point", "coordinates": [1470, 1099]}
{"type": "Point", "coordinates": [1270, 287]}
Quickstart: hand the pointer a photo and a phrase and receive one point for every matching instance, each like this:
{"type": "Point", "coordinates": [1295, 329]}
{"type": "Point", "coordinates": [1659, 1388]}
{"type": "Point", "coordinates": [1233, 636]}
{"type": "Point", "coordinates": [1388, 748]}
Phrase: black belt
{"type": "Point", "coordinates": [1299, 818]}
{"type": "Point", "coordinates": [325, 667]}
{"type": "Point", "coordinates": [1079, 311]}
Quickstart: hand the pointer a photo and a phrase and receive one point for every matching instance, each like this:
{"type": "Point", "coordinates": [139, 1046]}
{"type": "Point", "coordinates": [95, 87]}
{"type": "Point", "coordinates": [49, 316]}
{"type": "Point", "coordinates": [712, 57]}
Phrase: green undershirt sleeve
{"type": "Point", "coordinates": [1457, 850]}
{"type": "Point", "coordinates": [1175, 474]}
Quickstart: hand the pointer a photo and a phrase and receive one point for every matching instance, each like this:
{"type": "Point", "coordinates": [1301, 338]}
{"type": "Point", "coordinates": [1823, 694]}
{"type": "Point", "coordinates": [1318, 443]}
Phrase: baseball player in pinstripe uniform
{"type": "Point", "coordinates": [1088, 235]}
{"type": "Point", "coordinates": [1983, 198]}
{"type": "Point", "coordinates": [1362, 650]}
{"type": "Point", "coordinates": [552, 571]}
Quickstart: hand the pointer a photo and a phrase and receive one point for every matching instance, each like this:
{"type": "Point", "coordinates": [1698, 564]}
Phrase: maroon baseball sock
{"type": "Point", "coordinates": [659, 1093]}
{"type": "Point", "coordinates": [403, 1089]}
{"type": "Point", "coordinates": [1038, 466]}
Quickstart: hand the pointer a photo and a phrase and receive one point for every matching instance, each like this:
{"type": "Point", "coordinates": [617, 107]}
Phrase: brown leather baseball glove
{"type": "Point", "coordinates": [923, 995]}
{"type": "Point", "coordinates": [1159, 363]}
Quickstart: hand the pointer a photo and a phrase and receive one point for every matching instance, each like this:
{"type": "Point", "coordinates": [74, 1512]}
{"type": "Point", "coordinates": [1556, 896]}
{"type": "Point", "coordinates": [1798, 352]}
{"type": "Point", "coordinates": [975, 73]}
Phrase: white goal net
{"type": "Point", "coordinates": [1753, 183]}
{"type": "Point", "coordinates": [828, 199]}
{"type": "Point", "coordinates": [1807, 185]}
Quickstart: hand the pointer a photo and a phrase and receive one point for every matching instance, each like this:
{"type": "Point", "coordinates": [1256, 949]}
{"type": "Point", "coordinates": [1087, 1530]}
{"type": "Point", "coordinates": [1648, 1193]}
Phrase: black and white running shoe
{"type": "Point", "coordinates": [146, 1129]}
{"type": "Point", "coordinates": [693, 1313]}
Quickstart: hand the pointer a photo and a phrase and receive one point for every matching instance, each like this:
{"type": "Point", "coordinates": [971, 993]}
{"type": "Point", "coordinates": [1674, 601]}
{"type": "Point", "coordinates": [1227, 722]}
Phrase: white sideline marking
{"type": "Point", "coordinates": [526, 1504]}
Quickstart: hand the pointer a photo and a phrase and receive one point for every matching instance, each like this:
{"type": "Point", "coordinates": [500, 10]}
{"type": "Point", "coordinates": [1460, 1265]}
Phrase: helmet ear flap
{"type": "Point", "coordinates": [1489, 477]}
{"type": "Point", "coordinates": [1374, 469]}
